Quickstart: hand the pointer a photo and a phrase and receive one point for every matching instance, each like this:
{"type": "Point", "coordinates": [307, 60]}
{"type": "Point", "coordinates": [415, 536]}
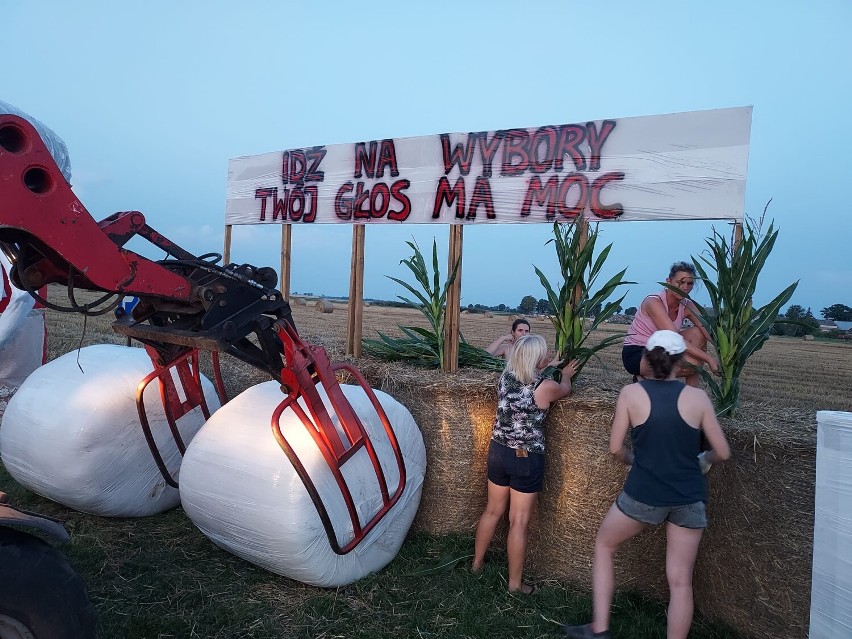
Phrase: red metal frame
{"type": "Point", "coordinates": [308, 366]}
{"type": "Point", "coordinates": [186, 366]}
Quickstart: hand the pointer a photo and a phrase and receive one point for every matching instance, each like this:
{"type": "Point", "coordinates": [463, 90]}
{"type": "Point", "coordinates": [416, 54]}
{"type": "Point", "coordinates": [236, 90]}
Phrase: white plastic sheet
{"type": "Point", "coordinates": [22, 332]}
{"type": "Point", "coordinates": [831, 589]}
{"type": "Point", "coordinates": [74, 435]}
{"type": "Point", "coordinates": [240, 489]}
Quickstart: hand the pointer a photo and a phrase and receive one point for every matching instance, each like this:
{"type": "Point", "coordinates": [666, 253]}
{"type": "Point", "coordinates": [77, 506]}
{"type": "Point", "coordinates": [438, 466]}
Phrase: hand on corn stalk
{"type": "Point", "coordinates": [573, 300]}
{"type": "Point", "coordinates": [736, 328]}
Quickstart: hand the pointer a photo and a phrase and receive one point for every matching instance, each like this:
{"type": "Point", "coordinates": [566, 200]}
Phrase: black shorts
{"type": "Point", "coordinates": [631, 356]}
{"type": "Point", "coordinates": [505, 468]}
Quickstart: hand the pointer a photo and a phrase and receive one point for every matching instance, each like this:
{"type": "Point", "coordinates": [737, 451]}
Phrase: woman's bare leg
{"type": "Point", "coordinates": [694, 337]}
{"type": "Point", "coordinates": [520, 510]}
{"type": "Point", "coordinates": [615, 529]}
{"type": "Point", "coordinates": [498, 499]}
{"type": "Point", "coordinates": [681, 550]}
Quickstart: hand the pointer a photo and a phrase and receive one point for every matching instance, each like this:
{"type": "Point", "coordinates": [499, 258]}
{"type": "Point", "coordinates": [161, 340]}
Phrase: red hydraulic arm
{"type": "Point", "coordinates": [187, 303]}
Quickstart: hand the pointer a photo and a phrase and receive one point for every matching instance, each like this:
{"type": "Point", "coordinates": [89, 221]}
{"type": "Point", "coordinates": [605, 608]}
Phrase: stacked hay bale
{"type": "Point", "coordinates": [754, 566]}
{"type": "Point", "coordinates": [324, 306]}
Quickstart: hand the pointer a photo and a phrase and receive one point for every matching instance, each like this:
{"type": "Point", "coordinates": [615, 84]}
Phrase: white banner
{"type": "Point", "coordinates": [682, 166]}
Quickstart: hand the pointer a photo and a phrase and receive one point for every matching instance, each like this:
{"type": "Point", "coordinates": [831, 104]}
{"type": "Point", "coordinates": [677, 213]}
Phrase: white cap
{"type": "Point", "coordinates": [669, 341]}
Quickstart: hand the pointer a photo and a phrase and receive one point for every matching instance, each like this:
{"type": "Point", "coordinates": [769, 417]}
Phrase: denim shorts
{"type": "Point", "coordinates": [688, 516]}
{"type": "Point", "coordinates": [523, 473]}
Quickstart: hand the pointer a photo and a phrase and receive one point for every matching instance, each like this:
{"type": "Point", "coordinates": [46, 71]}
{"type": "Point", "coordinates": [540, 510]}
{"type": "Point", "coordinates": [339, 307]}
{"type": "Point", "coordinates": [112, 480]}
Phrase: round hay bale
{"type": "Point", "coordinates": [298, 301]}
{"type": "Point", "coordinates": [517, 317]}
{"type": "Point", "coordinates": [366, 304]}
{"type": "Point", "coordinates": [465, 312]}
{"type": "Point", "coordinates": [489, 314]}
{"type": "Point", "coordinates": [808, 338]}
{"type": "Point", "coordinates": [324, 306]}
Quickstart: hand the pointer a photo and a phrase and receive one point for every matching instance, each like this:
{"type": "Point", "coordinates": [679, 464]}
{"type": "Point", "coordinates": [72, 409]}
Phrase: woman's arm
{"type": "Point", "coordinates": [618, 433]}
{"type": "Point", "coordinates": [549, 391]}
{"type": "Point", "coordinates": [713, 431]}
{"type": "Point", "coordinates": [498, 346]}
{"type": "Point", "coordinates": [655, 309]}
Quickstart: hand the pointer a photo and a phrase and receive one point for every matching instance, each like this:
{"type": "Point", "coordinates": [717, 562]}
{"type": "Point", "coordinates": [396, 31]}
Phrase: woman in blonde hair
{"type": "Point", "coordinates": [516, 452]}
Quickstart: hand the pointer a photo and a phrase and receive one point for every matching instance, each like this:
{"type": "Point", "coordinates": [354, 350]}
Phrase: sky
{"type": "Point", "coordinates": [152, 99]}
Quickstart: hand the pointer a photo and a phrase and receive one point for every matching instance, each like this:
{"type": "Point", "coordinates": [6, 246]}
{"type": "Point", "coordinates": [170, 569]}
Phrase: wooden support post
{"type": "Point", "coordinates": [226, 254]}
{"type": "Point", "coordinates": [738, 237]}
{"type": "Point", "coordinates": [286, 252]}
{"type": "Point", "coordinates": [355, 322]}
{"type": "Point", "coordinates": [583, 229]}
{"type": "Point", "coordinates": [451, 321]}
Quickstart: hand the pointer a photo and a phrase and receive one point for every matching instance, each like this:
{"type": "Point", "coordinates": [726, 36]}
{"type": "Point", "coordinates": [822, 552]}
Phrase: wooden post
{"type": "Point", "coordinates": [286, 246]}
{"type": "Point", "coordinates": [583, 229]}
{"type": "Point", "coordinates": [226, 255]}
{"type": "Point", "coordinates": [738, 237]}
{"type": "Point", "coordinates": [451, 322]}
{"type": "Point", "coordinates": [355, 322]}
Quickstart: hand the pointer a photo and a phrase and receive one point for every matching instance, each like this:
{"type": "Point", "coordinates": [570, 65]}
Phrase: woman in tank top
{"type": "Point", "coordinates": [667, 310]}
{"type": "Point", "coordinates": [665, 419]}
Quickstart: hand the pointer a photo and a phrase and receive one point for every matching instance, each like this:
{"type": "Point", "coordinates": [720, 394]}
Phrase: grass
{"type": "Point", "coordinates": [159, 577]}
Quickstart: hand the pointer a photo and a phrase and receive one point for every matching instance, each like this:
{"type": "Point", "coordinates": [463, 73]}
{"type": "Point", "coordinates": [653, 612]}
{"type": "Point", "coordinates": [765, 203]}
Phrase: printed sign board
{"type": "Point", "coordinates": [681, 166]}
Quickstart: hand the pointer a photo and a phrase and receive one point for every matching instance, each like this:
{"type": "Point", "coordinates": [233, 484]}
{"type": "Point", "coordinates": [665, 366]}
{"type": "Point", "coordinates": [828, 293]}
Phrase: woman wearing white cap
{"type": "Point", "coordinates": [665, 418]}
{"type": "Point", "coordinates": [667, 310]}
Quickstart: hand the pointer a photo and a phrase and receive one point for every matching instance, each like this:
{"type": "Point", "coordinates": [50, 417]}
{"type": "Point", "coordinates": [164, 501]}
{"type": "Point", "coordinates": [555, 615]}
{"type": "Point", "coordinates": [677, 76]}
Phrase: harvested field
{"type": "Point", "coordinates": [754, 568]}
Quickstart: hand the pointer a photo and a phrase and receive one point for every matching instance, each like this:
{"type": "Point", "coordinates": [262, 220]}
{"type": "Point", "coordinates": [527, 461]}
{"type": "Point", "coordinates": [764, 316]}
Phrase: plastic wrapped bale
{"type": "Point", "coordinates": [240, 489]}
{"type": "Point", "coordinates": [72, 433]}
{"type": "Point", "coordinates": [831, 607]}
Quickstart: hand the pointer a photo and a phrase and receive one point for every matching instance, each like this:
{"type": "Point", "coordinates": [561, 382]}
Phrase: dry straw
{"type": "Point", "coordinates": [324, 306]}
{"type": "Point", "coordinates": [754, 567]}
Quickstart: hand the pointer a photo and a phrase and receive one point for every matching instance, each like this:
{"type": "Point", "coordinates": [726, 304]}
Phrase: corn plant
{"type": "Point", "coordinates": [736, 328]}
{"type": "Point", "coordinates": [573, 299]}
{"type": "Point", "coordinates": [425, 346]}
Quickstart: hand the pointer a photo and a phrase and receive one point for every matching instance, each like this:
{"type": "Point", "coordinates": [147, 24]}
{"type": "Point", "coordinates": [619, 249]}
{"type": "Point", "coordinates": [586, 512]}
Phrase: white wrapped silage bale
{"type": "Point", "coordinates": [240, 489]}
{"type": "Point", "coordinates": [831, 585]}
{"type": "Point", "coordinates": [74, 435]}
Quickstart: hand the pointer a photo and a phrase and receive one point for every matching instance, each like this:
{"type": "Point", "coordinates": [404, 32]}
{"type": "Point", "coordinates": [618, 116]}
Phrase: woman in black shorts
{"type": "Point", "coordinates": [665, 418]}
{"type": "Point", "coordinates": [516, 452]}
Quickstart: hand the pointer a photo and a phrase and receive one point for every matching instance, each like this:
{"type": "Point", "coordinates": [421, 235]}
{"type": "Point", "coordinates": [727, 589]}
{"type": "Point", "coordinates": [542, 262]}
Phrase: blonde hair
{"type": "Point", "coordinates": [524, 357]}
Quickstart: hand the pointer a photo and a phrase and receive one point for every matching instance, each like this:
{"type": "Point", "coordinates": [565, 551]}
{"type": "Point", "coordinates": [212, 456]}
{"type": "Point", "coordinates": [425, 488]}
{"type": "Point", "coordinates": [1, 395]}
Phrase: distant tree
{"type": "Point", "coordinates": [838, 312]}
{"type": "Point", "coordinates": [527, 304]}
{"type": "Point", "coordinates": [502, 307]}
{"type": "Point", "coordinates": [631, 311]}
{"type": "Point", "coordinates": [595, 310]}
{"type": "Point", "coordinates": [799, 322]}
{"type": "Point", "coordinates": [544, 307]}
{"type": "Point", "coordinates": [618, 308]}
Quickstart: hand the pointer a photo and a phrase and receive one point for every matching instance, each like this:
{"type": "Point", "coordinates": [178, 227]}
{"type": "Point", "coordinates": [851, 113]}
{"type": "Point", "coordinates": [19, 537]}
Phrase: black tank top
{"type": "Point", "coordinates": [665, 469]}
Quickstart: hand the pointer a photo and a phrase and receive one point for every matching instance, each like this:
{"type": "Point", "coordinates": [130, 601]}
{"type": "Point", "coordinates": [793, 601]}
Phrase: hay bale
{"type": "Point", "coordinates": [754, 569]}
{"type": "Point", "coordinates": [324, 306]}
{"type": "Point", "coordinates": [808, 338]}
{"type": "Point", "coordinates": [465, 312]}
{"type": "Point", "coordinates": [297, 301]}
{"type": "Point", "coordinates": [489, 315]}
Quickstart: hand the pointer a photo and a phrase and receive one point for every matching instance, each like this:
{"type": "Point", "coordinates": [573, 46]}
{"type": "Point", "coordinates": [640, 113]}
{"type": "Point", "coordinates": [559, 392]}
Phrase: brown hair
{"type": "Point", "coordinates": [661, 362]}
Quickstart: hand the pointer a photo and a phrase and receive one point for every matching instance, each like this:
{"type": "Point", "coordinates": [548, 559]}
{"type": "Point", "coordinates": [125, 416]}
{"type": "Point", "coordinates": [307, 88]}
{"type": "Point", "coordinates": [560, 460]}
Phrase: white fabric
{"type": "Point", "coordinates": [240, 489]}
{"type": "Point", "coordinates": [21, 333]}
{"type": "Point", "coordinates": [831, 586]}
{"type": "Point", "coordinates": [74, 435]}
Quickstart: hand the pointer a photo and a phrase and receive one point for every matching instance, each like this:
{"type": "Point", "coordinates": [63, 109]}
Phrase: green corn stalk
{"type": "Point", "coordinates": [736, 328]}
{"type": "Point", "coordinates": [426, 346]}
{"type": "Point", "coordinates": [573, 299]}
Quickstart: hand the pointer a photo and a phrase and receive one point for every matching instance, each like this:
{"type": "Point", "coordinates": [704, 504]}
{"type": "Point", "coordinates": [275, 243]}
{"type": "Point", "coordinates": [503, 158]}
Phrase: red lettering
{"type": "Point", "coordinates": [361, 196]}
{"type": "Point", "coordinates": [516, 146]}
{"type": "Point", "coordinates": [445, 194]}
{"type": "Point", "coordinates": [397, 189]}
{"type": "Point", "coordinates": [262, 194]}
{"type": "Point", "coordinates": [582, 184]}
{"type": "Point", "coordinates": [596, 141]}
{"type": "Point", "coordinates": [387, 158]}
{"type": "Point", "coordinates": [543, 195]}
{"type": "Point", "coordinates": [461, 154]}
{"type": "Point", "coordinates": [342, 204]}
{"type": "Point", "coordinates": [481, 196]}
{"type": "Point", "coordinates": [296, 195]}
{"type": "Point", "coordinates": [380, 190]}
{"type": "Point", "coordinates": [487, 150]}
{"type": "Point", "coordinates": [570, 138]}
{"type": "Point", "coordinates": [315, 155]}
{"type": "Point", "coordinates": [548, 136]}
{"type": "Point", "coordinates": [280, 209]}
{"type": "Point", "coordinates": [297, 167]}
{"type": "Point", "coordinates": [311, 214]}
{"type": "Point", "coordinates": [606, 212]}
{"type": "Point", "coordinates": [365, 162]}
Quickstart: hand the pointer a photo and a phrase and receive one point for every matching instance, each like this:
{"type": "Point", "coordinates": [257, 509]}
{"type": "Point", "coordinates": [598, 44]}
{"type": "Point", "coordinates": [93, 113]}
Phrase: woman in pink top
{"type": "Point", "coordinates": [666, 310]}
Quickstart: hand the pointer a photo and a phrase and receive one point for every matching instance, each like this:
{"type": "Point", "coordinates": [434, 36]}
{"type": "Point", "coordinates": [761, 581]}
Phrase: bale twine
{"type": "Point", "coordinates": [324, 306]}
{"type": "Point", "coordinates": [754, 566]}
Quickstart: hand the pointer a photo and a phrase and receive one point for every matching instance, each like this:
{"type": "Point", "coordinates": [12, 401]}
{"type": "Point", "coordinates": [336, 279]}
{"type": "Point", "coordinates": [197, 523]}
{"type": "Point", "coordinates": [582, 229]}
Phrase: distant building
{"type": "Point", "coordinates": [826, 325]}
